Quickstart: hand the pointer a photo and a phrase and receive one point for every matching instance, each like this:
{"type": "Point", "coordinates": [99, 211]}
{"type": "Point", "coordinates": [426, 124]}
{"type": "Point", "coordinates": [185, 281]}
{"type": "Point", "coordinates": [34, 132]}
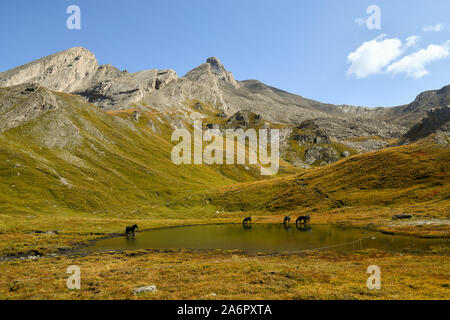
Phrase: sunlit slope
{"type": "Point", "coordinates": [391, 177]}
{"type": "Point", "coordinates": [77, 158]}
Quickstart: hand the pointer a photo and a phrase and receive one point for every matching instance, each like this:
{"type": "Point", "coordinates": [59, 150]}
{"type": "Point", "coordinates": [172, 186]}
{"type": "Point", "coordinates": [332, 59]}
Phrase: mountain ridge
{"type": "Point", "coordinates": [83, 72]}
{"type": "Point", "coordinates": [76, 71]}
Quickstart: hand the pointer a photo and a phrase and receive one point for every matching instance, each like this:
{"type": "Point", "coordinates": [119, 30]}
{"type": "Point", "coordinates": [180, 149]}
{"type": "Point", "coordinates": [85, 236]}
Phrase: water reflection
{"type": "Point", "coordinates": [131, 239]}
{"type": "Point", "coordinates": [304, 227]}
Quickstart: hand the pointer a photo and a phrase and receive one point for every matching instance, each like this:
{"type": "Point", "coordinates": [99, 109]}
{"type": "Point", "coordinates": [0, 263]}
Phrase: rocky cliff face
{"type": "Point", "coordinates": [436, 123]}
{"type": "Point", "coordinates": [77, 71]}
{"type": "Point", "coordinates": [211, 72]}
{"type": "Point", "coordinates": [66, 71]}
{"type": "Point", "coordinates": [111, 89]}
{"type": "Point", "coordinates": [408, 115]}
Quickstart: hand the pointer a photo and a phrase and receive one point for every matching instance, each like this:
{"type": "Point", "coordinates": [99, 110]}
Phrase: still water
{"type": "Point", "coordinates": [266, 238]}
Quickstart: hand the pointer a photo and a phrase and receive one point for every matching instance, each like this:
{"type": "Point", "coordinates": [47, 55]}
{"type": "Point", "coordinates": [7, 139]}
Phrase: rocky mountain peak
{"type": "Point", "coordinates": [216, 66]}
{"type": "Point", "coordinates": [211, 71]}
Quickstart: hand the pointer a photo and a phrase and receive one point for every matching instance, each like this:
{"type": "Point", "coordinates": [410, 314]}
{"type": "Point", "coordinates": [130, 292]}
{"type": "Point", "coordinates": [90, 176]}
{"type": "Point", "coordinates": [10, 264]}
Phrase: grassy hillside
{"type": "Point", "coordinates": [77, 169]}
{"type": "Point", "coordinates": [364, 188]}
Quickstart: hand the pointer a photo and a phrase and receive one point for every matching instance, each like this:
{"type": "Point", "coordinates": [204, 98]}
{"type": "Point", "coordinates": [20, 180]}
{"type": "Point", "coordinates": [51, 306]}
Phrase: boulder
{"type": "Point", "coordinates": [144, 289]}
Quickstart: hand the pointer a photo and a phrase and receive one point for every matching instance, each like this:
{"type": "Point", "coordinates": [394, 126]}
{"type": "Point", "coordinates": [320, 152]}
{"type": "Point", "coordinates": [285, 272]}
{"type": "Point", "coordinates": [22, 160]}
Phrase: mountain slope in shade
{"type": "Point", "coordinates": [408, 115]}
{"type": "Point", "coordinates": [435, 124]}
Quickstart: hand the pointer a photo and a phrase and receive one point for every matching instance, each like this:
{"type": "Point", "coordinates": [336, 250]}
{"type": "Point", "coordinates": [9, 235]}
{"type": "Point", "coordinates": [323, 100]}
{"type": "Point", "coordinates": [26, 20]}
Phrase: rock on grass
{"type": "Point", "coordinates": [144, 289]}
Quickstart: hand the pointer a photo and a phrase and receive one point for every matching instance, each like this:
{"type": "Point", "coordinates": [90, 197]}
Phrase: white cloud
{"type": "Point", "coordinates": [433, 28]}
{"type": "Point", "coordinates": [372, 56]}
{"type": "Point", "coordinates": [412, 41]}
{"type": "Point", "coordinates": [414, 65]}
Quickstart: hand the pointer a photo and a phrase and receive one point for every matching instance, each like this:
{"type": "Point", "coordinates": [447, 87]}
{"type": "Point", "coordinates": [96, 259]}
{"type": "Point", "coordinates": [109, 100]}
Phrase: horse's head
{"type": "Point", "coordinates": [135, 226]}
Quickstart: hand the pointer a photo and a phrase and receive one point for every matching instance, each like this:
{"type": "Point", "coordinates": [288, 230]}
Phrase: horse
{"type": "Point", "coordinates": [247, 220]}
{"type": "Point", "coordinates": [303, 219]}
{"type": "Point", "coordinates": [131, 229]}
{"type": "Point", "coordinates": [287, 220]}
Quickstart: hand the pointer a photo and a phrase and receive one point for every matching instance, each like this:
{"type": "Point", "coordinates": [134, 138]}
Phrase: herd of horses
{"type": "Point", "coordinates": [301, 221]}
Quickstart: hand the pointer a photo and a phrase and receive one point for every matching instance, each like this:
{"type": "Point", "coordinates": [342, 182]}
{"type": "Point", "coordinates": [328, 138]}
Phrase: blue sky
{"type": "Point", "coordinates": [299, 46]}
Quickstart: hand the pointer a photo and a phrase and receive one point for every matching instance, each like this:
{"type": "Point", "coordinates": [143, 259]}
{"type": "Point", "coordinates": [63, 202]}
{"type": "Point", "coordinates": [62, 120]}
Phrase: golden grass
{"type": "Point", "coordinates": [183, 274]}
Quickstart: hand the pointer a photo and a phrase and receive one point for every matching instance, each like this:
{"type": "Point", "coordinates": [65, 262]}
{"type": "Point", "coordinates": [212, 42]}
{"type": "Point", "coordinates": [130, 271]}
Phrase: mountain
{"type": "Point", "coordinates": [77, 71]}
{"type": "Point", "coordinates": [408, 115]}
{"type": "Point", "coordinates": [347, 129]}
{"type": "Point", "coordinates": [436, 125]}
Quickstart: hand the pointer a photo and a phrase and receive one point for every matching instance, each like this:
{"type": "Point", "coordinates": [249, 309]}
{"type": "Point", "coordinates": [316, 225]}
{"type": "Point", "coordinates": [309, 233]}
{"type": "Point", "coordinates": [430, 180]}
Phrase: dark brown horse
{"type": "Point", "coordinates": [303, 219]}
{"type": "Point", "coordinates": [247, 220]}
{"type": "Point", "coordinates": [287, 220]}
{"type": "Point", "coordinates": [131, 229]}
